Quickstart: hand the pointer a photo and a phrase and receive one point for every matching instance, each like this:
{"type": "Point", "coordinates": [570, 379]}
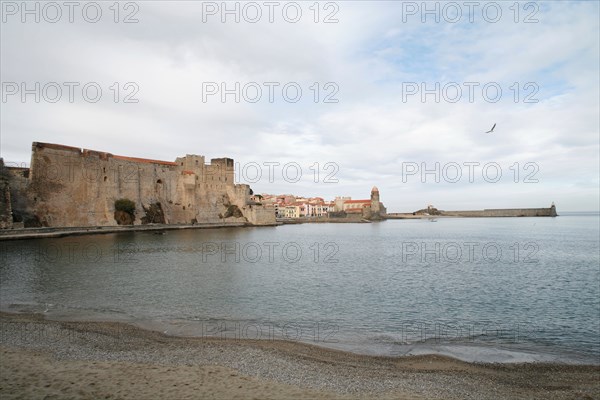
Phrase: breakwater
{"type": "Point", "coordinates": [486, 213]}
{"type": "Point", "coordinates": [504, 212]}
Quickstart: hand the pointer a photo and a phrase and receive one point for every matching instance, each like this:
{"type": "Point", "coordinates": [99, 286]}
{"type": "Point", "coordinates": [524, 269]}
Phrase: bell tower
{"type": "Point", "coordinates": [375, 205]}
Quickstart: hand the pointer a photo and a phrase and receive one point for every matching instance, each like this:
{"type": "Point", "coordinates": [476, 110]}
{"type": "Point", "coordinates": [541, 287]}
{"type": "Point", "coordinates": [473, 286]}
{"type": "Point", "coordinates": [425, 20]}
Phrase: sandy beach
{"type": "Point", "coordinates": [84, 360]}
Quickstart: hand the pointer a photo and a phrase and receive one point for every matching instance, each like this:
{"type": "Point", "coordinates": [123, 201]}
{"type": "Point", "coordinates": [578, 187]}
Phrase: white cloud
{"type": "Point", "coordinates": [369, 133]}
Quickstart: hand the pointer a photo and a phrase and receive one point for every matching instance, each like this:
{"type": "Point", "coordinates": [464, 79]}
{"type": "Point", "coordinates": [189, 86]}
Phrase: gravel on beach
{"type": "Point", "coordinates": [57, 359]}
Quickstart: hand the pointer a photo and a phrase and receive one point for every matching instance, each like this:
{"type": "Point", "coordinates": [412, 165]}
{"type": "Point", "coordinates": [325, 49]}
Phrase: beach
{"type": "Point", "coordinates": [61, 359]}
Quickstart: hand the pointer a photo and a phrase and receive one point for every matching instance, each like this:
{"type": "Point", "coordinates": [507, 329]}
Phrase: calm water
{"type": "Point", "coordinates": [506, 289]}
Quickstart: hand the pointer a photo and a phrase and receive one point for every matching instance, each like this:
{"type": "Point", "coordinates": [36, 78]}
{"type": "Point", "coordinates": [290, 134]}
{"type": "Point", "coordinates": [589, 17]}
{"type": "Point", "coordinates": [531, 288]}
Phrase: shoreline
{"type": "Point", "coordinates": [58, 232]}
{"type": "Point", "coordinates": [464, 349]}
{"type": "Point", "coordinates": [39, 233]}
{"type": "Point", "coordinates": [93, 353]}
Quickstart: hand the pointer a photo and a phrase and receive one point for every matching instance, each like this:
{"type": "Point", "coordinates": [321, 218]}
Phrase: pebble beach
{"type": "Point", "coordinates": [84, 360]}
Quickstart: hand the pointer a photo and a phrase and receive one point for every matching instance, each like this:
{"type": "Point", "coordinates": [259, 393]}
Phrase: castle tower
{"type": "Point", "coordinates": [375, 205]}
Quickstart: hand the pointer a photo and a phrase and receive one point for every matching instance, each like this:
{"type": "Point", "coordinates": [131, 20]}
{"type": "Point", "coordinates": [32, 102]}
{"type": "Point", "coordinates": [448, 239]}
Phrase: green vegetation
{"type": "Point", "coordinates": [125, 205]}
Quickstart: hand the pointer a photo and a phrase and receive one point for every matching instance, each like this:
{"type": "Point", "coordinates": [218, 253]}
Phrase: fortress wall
{"type": "Point", "coordinates": [19, 196]}
{"type": "Point", "coordinates": [78, 187]}
{"type": "Point", "coordinates": [219, 174]}
{"type": "Point", "coordinates": [260, 215]}
{"type": "Point", "coordinates": [72, 187]}
{"type": "Point", "coordinates": [6, 219]}
{"type": "Point", "coordinates": [239, 194]}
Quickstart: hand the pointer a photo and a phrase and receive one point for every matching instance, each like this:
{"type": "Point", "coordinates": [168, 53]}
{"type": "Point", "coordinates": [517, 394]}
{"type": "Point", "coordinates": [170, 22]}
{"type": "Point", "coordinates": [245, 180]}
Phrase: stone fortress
{"type": "Point", "coordinates": [72, 187]}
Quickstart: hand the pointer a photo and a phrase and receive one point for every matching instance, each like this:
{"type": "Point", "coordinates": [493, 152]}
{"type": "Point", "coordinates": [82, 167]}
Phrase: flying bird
{"type": "Point", "coordinates": [492, 130]}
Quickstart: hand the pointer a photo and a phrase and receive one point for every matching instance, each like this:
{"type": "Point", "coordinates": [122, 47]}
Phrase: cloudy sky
{"type": "Point", "coordinates": [366, 93]}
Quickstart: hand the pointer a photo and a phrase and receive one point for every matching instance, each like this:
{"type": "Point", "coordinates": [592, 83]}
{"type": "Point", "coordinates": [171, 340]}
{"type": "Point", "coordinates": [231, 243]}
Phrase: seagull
{"type": "Point", "coordinates": [492, 130]}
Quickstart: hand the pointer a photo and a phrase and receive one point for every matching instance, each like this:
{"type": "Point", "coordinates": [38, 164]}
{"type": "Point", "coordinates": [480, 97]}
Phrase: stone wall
{"type": "Point", "coordinates": [68, 186]}
{"type": "Point", "coordinates": [6, 219]}
{"type": "Point", "coordinates": [506, 212]}
{"type": "Point", "coordinates": [23, 215]}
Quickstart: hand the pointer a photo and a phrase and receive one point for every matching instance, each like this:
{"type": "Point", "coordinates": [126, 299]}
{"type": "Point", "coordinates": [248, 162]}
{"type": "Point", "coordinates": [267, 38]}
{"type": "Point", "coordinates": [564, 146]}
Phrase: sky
{"type": "Point", "coordinates": [321, 98]}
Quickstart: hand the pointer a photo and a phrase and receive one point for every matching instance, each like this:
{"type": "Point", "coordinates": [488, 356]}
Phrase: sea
{"type": "Point", "coordinates": [479, 289]}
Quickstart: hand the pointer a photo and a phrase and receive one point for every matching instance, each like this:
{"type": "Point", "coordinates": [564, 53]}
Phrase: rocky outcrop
{"type": "Point", "coordinates": [154, 214]}
{"type": "Point", "coordinates": [232, 211]}
{"type": "Point", "coordinates": [124, 218]}
{"type": "Point", "coordinates": [428, 211]}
